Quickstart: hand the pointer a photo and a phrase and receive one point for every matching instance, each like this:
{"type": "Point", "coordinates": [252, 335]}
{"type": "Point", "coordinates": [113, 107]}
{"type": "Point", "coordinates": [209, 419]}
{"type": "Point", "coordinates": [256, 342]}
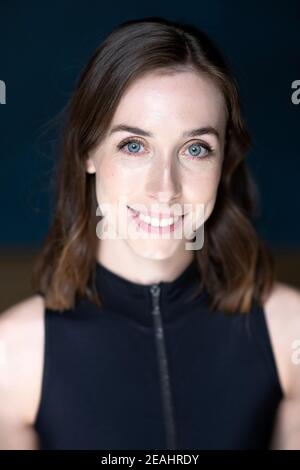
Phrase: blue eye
{"type": "Point", "coordinates": [134, 148]}
{"type": "Point", "coordinates": [134, 144]}
{"type": "Point", "coordinates": [200, 145]}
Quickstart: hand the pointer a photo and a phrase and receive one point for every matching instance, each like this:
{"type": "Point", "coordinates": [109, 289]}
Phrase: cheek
{"type": "Point", "coordinates": [201, 193]}
{"type": "Point", "coordinates": [113, 183]}
{"type": "Point", "coordinates": [209, 206]}
{"type": "Point", "coordinates": [203, 188]}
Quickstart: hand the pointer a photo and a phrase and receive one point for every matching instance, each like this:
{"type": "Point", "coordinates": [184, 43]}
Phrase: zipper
{"type": "Point", "coordinates": [163, 369]}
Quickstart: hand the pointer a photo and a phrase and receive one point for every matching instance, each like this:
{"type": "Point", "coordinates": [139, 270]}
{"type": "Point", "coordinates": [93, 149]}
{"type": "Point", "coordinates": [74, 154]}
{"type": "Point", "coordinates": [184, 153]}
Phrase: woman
{"type": "Point", "coordinates": [157, 322]}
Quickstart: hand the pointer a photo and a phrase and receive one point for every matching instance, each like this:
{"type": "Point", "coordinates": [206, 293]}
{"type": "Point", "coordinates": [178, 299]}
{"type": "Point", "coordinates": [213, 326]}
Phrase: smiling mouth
{"type": "Point", "coordinates": [160, 224]}
{"type": "Point", "coordinates": [155, 215]}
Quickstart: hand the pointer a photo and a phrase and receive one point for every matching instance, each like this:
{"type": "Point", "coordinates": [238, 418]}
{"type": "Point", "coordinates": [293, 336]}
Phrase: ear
{"type": "Point", "coordinates": [90, 167]}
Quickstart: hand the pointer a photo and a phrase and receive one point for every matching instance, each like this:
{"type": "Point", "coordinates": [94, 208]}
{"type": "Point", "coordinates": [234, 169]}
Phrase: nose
{"type": "Point", "coordinates": [164, 183]}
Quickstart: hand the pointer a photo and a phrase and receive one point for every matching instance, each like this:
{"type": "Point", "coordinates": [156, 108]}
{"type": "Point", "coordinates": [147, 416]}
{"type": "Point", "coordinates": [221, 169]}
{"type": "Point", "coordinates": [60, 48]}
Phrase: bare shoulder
{"type": "Point", "coordinates": [284, 300]}
{"type": "Point", "coordinates": [282, 309]}
{"type": "Point", "coordinates": [21, 359]}
{"type": "Point", "coordinates": [27, 309]}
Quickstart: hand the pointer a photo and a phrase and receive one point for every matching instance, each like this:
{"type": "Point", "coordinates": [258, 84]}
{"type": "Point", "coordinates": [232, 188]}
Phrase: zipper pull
{"type": "Point", "coordinates": [155, 292]}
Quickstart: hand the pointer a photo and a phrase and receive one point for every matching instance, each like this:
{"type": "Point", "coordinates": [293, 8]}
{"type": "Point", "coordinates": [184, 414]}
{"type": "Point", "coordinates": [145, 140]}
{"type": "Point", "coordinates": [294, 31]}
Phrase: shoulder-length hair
{"type": "Point", "coordinates": [236, 266]}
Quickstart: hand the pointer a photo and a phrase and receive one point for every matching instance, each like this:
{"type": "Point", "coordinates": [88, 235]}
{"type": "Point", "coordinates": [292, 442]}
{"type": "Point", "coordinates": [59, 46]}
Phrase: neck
{"type": "Point", "coordinates": [117, 256]}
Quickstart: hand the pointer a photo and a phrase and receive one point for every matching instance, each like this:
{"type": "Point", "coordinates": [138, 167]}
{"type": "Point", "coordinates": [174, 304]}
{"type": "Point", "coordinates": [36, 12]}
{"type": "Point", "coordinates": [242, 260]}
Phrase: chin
{"type": "Point", "coordinates": [158, 251]}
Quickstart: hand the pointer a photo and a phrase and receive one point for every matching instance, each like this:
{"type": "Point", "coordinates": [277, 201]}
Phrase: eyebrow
{"type": "Point", "coordinates": [142, 132]}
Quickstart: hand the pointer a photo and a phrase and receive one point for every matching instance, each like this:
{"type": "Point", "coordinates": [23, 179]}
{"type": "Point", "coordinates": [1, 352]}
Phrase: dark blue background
{"type": "Point", "coordinates": [43, 47]}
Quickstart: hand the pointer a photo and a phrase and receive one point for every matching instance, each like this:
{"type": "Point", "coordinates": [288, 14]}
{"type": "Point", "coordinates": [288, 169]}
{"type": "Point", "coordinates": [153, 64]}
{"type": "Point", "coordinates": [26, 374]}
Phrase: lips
{"type": "Point", "coordinates": [157, 225]}
{"type": "Point", "coordinates": [158, 215]}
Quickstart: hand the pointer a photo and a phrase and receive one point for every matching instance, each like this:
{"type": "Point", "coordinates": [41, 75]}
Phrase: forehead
{"type": "Point", "coordinates": [181, 99]}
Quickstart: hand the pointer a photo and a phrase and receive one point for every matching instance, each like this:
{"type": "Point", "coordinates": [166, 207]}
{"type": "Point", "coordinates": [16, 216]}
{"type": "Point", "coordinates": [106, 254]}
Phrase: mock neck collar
{"type": "Point", "coordinates": [134, 301]}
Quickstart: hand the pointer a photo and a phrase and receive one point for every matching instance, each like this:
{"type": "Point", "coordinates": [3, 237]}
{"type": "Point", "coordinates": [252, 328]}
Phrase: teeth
{"type": "Point", "coordinates": [155, 222]}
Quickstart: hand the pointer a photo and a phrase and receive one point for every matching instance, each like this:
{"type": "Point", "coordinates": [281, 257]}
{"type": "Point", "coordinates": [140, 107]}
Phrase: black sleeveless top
{"type": "Point", "coordinates": [153, 369]}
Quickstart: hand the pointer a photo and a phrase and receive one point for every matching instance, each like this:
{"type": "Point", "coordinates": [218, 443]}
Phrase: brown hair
{"type": "Point", "coordinates": [236, 266]}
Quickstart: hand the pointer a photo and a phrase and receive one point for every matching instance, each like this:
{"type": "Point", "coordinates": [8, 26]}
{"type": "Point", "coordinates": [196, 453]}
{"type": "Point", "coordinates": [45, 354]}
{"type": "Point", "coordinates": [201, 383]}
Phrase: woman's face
{"type": "Point", "coordinates": [159, 166]}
